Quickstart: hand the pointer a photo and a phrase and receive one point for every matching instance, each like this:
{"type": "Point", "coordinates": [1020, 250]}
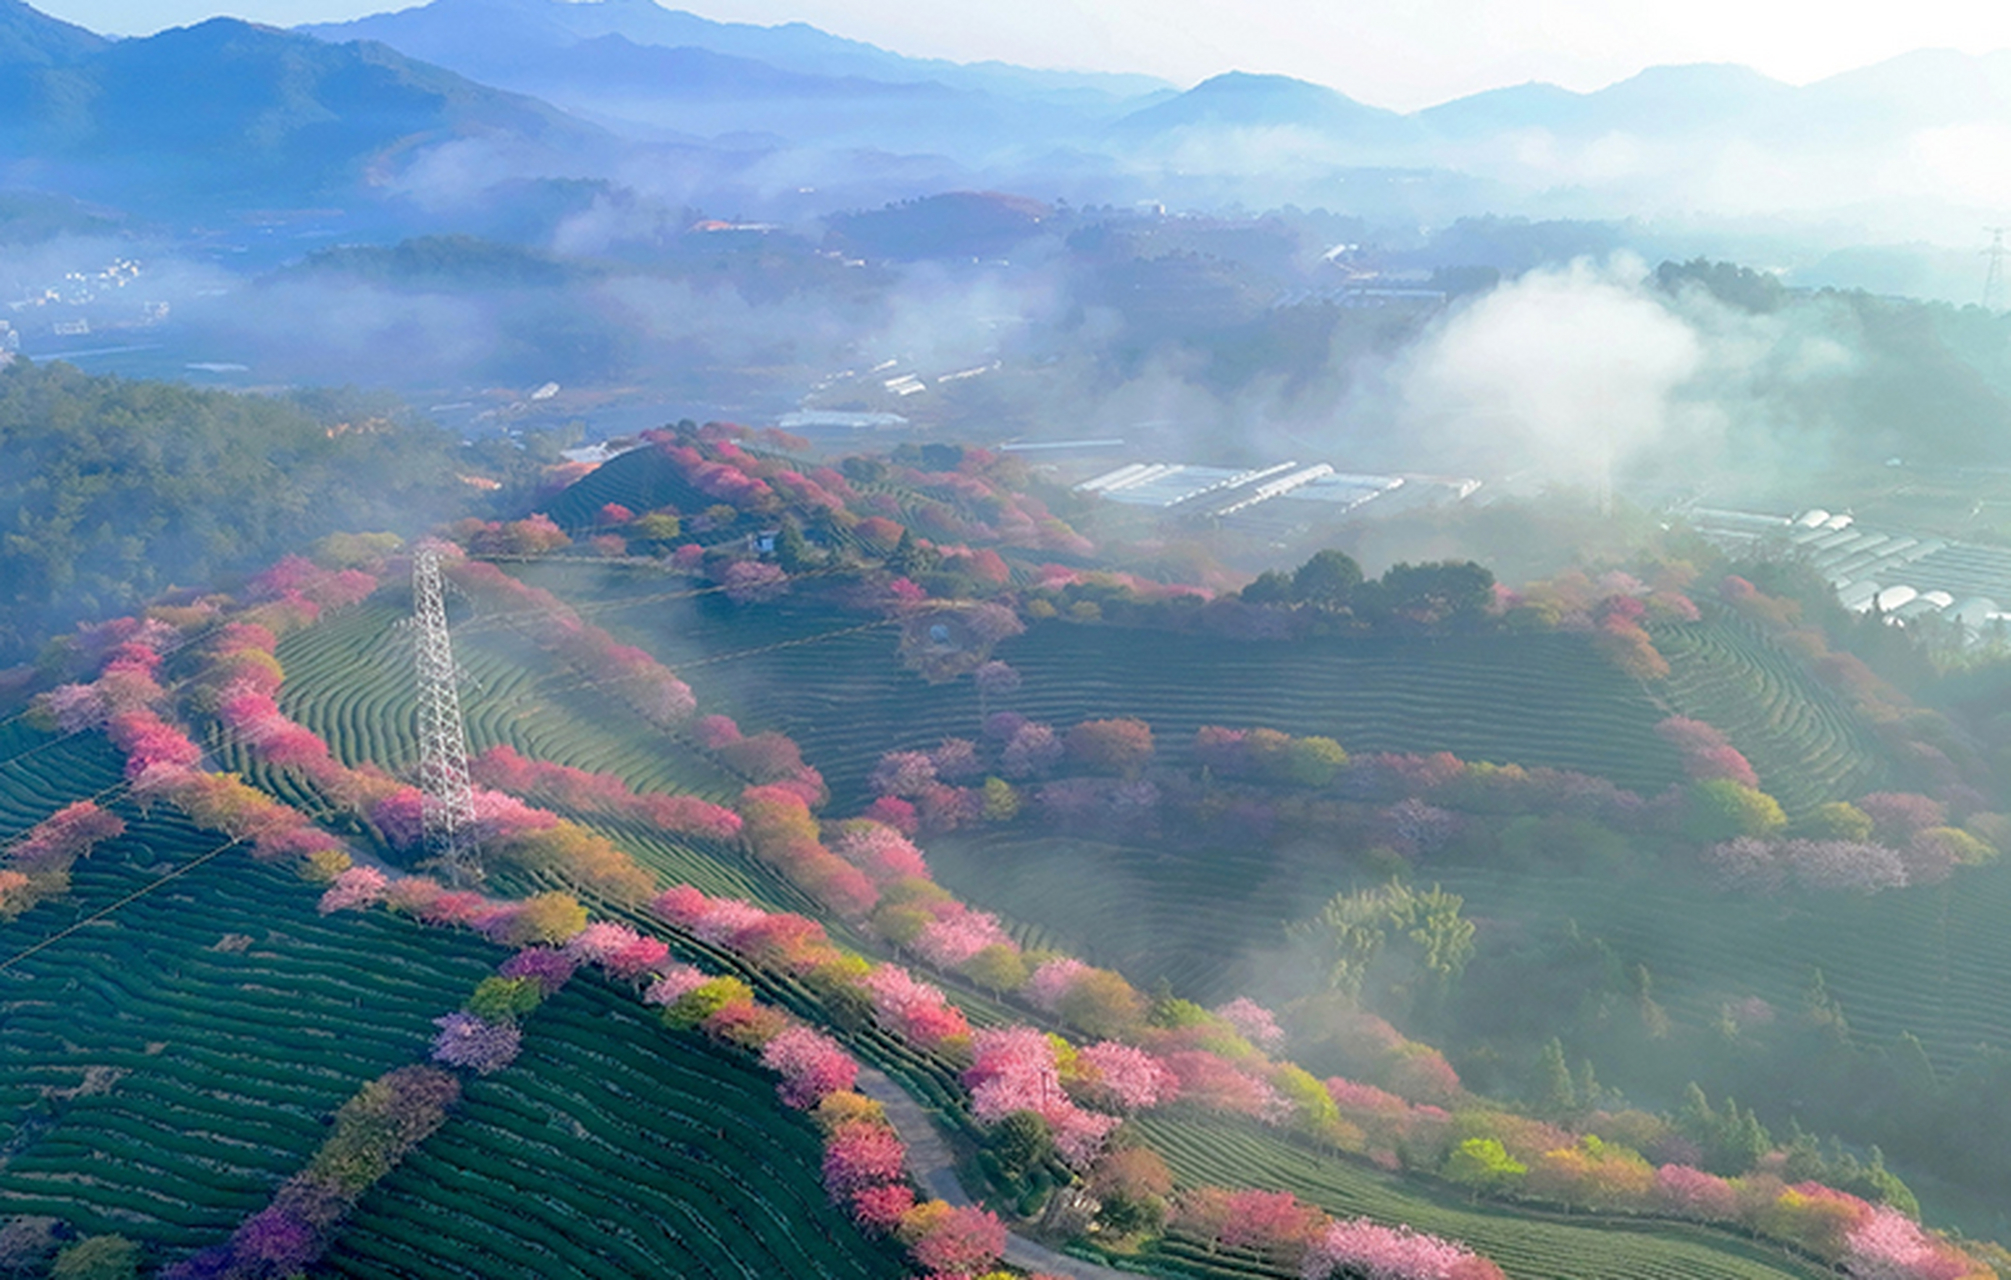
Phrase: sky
{"type": "Point", "coordinates": [1401, 54]}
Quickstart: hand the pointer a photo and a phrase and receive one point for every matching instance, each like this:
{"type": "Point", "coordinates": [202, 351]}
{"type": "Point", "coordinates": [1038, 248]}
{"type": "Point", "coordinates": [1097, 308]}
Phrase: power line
{"type": "Point", "coordinates": [96, 916]}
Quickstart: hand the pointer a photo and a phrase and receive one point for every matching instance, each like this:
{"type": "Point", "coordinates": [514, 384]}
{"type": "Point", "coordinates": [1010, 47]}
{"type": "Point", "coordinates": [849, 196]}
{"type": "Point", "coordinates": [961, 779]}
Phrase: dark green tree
{"type": "Point", "coordinates": [1021, 1142]}
{"type": "Point", "coordinates": [792, 550]}
{"type": "Point", "coordinates": [1269, 587]}
{"type": "Point", "coordinates": [1328, 580]}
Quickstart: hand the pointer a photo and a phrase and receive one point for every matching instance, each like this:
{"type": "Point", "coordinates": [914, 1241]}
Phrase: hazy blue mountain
{"type": "Point", "coordinates": [29, 37]}
{"type": "Point", "coordinates": [474, 36]}
{"type": "Point", "coordinates": [1704, 98]}
{"type": "Point", "coordinates": [655, 73]}
{"type": "Point", "coordinates": [1238, 99]}
{"type": "Point", "coordinates": [1534, 105]}
{"type": "Point", "coordinates": [227, 111]}
{"type": "Point", "coordinates": [616, 64]}
{"type": "Point", "coordinates": [1923, 89]}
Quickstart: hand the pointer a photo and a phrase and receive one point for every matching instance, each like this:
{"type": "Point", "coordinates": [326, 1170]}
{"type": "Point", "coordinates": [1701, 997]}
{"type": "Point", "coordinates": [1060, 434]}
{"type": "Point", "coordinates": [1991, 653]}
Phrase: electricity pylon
{"type": "Point", "coordinates": [1993, 275]}
{"type": "Point", "coordinates": [448, 806]}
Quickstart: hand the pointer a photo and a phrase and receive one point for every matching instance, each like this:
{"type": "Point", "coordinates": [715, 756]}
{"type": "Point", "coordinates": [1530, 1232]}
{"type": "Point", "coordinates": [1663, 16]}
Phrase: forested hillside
{"type": "Point", "coordinates": [113, 491]}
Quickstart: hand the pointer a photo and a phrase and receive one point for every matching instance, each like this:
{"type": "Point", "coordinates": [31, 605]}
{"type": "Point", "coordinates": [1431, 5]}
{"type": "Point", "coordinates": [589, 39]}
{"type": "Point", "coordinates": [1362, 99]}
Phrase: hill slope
{"type": "Point", "coordinates": [499, 33]}
{"type": "Point", "coordinates": [33, 38]}
{"type": "Point", "coordinates": [226, 111]}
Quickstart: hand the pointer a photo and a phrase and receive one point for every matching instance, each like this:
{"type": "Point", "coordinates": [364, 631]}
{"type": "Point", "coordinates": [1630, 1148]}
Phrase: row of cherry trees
{"type": "Point", "coordinates": [1012, 1068]}
{"type": "Point", "coordinates": [485, 1034]}
{"type": "Point", "coordinates": [1071, 990]}
{"type": "Point", "coordinates": [1261, 783]}
{"type": "Point", "coordinates": [390, 1116]}
{"type": "Point", "coordinates": [37, 865]}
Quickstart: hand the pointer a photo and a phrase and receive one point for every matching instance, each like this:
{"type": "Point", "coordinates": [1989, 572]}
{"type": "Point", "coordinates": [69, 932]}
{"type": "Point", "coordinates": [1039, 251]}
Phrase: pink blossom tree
{"type": "Point", "coordinates": [812, 1066]}
{"type": "Point", "coordinates": [963, 1242]}
{"type": "Point", "coordinates": [880, 851]}
{"type": "Point", "coordinates": [1253, 1022]}
{"type": "Point", "coordinates": [951, 940]}
{"type": "Point", "coordinates": [1359, 1248]}
{"type": "Point", "coordinates": [1052, 980]}
{"type": "Point", "coordinates": [753, 581]}
{"type": "Point", "coordinates": [862, 1155]}
{"type": "Point", "coordinates": [673, 984]}
{"type": "Point", "coordinates": [1691, 1193]}
{"type": "Point", "coordinates": [357, 887]}
{"type": "Point", "coordinates": [1124, 1077]}
{"type": "Point", "coordinates": [475, 1044]}
{"type": "Point", "coordinates": [902, 773]}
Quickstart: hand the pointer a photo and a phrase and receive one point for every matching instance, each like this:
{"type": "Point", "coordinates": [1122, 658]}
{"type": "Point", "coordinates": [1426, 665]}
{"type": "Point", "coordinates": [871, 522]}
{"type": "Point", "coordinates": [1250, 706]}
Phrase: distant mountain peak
{"type": "Point", "coordinates": [1248, 99]}
{"type": "Point", "coordinates": [466, 33]}
{"type": "Point", "coordinates": [226, 111]}
{"type": "Point", "coordinates": [29, 37]}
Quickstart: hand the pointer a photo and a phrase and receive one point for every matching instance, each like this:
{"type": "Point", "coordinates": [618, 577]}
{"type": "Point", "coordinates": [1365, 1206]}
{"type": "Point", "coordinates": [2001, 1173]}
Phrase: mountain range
{"type": "Point", "coordinates": [782, 119]}
{"type": "Point", "coordinates": [225, 112]}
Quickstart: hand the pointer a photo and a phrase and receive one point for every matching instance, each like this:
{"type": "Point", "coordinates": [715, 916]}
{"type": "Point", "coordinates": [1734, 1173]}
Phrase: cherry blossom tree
{"type": "Point", "coordinates": [812, 1066]}
{"type": "Point", "coordinates": [950, 941]}
{"type": "Point", "coordinates": [1032, 750]}
{"type": "Point", "coordinates": [963, 1242]}
{"type": "Point", "coordinates": [673, 984]}
{"type": "Point", "coordinates": [861, 1155]}
{"type": "Point", "coordinates": [75, 707]}
{"type": "Point", "coordinates": [1897, 816]}
{"type": "Point", "coordinates": [1359, 1248]}
{"type": "Point", "coordinates": [753, 581]}
{"type": "Point", "coordinates": [1207, 1080]}
{"type": "Point", "coordinates": [880, 1207]}
{"type": "Point", "coordinates": [1692, 1193]}
{"type": "Point", "coordinates": [996, 679]}
{"type": "Point", "coordinates": [1254, 1023]}
{"type": "Point", "coordinates": [475, 1044]}
{"type": "Point", "coordinates": [1124, 1077]}
{"type": "Point", "coordinates": [957, 760]}
{"type": "Point", "coordinates": [1121, 746]}
{"type": "Point", "coordinates": [902, 773]}
{"type": "Point", "coordinates": [1051, 981]}
{"type": "Point", "coordinates": [600, 942]}
{"type": "Point", "coordinates": [879, 850]}
{"type": "Point", "coordinates": [354, 888]}
{"type": "Point", "coordinates": [1888, 1245]}
{"type": "Point", "coordinates": [550, 967]}
{"type": "Point", "coordinates": [913, 1008]}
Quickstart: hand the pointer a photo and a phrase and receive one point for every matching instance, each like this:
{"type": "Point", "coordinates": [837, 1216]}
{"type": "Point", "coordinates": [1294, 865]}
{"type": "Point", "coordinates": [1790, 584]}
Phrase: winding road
{"type": "Point", "coordinates": [935, 1168]}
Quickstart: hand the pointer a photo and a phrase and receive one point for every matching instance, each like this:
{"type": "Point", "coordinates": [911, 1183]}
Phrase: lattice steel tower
{"type": "Point", "coordinates": [1993, 275]}
{"type": "Point", "coordinates": [448, 808]}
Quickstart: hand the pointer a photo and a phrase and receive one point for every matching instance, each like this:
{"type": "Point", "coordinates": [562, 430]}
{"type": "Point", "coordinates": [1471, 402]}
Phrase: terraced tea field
{"type": "Point", "coordinates": [1536, 700]}
{"type": "Point", "coordinates": [1806, 744]}
{"type": "Point", "coordinates": [1925, 961]}
{"type": "Point", "coordinates": [611, 1148]}
{"type": "Point", "coordinates": [641, 481]}
{"type": "Point", "coordinates": [1206, 1151]}
{"type": "Point", "coordinates": [162, 1070]}
{"type": "Point", "coordinates": [1190, 918]}
{"type": "Point", "coordinates": [1928, 961]}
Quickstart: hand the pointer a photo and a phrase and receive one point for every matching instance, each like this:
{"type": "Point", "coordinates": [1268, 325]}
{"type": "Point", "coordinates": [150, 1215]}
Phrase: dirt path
{"type": "Point", "coordinates": [935, 1168]}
